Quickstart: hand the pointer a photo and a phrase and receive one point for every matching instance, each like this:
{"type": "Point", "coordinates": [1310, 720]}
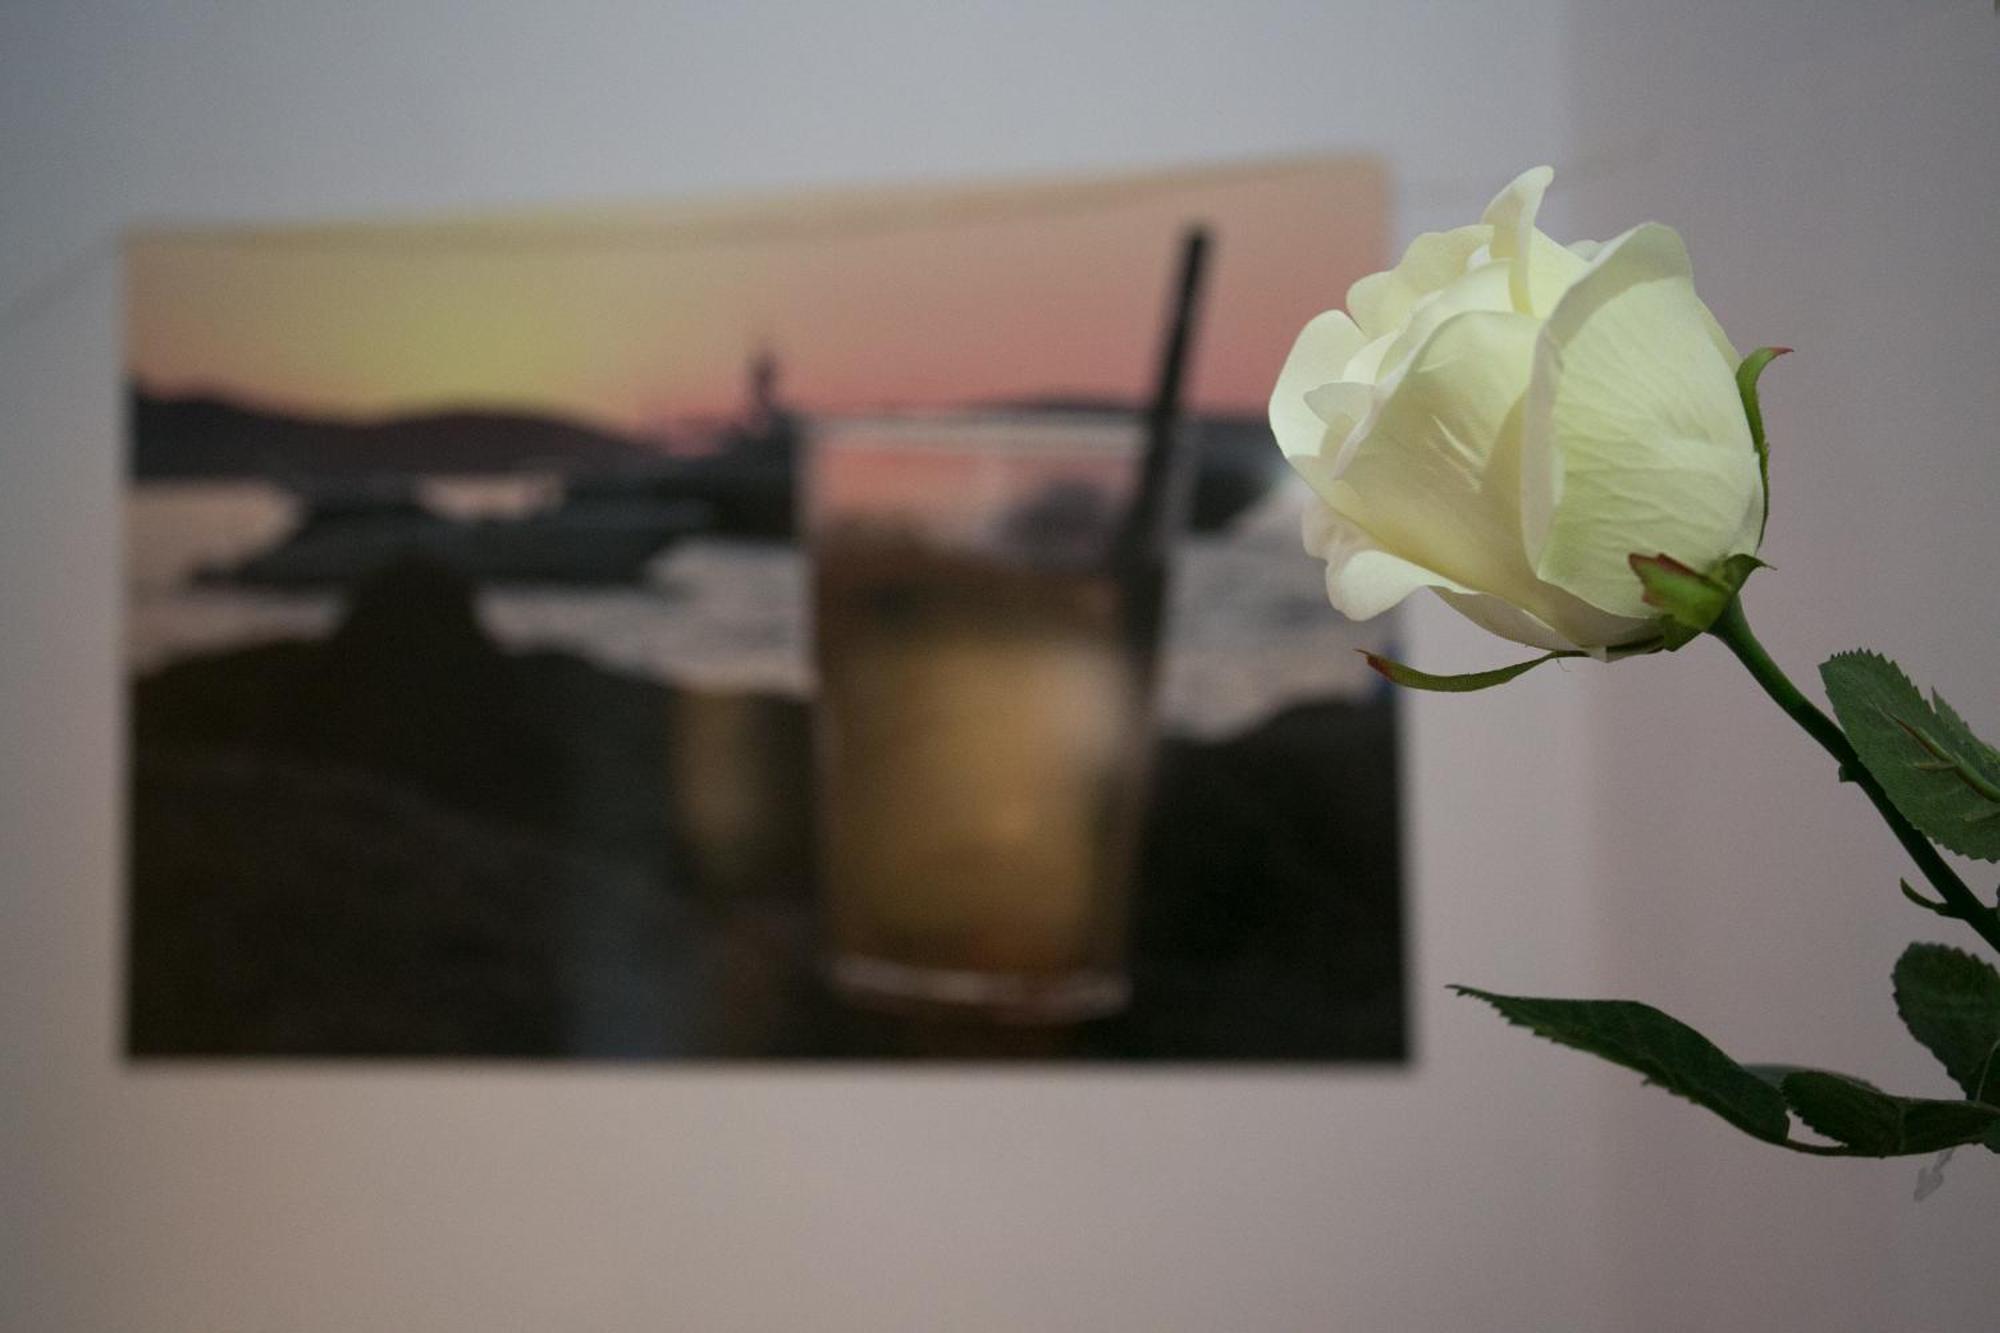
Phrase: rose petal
{"type": "Point", "coordinates": [1362, 579]}
{"type": "Point", "coordinates": [1507, 620]}
{"type": "Point", "coordinates": [1634, 437]}
{"type": "Point", "coordinates": [1512, 217]}
{"type": "Point", "coordinates": [1365, 366]}
{"type": "Point", "coordinates": [1485, 288]}
{"type": "Point", "coordinates": [1542, 269]}
{"type": "Point", "coordinates": [1323, 348]}
{"type": "Point", "coordinates": [1381, 302]}
{"type": "Point", "coordinates": [1340, 405]}
{"type": "Point", "coordinates": [1433, 477]}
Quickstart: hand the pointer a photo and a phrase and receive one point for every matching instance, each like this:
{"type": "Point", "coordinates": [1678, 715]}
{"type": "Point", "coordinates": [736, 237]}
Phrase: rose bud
{"type": "Point", "coordinates": [1509, 421]}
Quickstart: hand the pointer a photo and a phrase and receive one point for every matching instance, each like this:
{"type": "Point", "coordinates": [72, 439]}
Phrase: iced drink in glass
{"type": "Point", "coordinates": [982, 735]}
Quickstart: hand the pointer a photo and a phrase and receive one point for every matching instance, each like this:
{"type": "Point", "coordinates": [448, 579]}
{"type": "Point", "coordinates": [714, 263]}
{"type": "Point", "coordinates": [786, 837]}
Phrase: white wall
{"type": "Point", "coordinates": [1491, 1186]}
{"type": "Point", "coordinates": [1835, 170]}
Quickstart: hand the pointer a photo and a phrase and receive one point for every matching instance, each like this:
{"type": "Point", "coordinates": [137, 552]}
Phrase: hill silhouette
{"type": "Point", "coordinates": [214, 436]}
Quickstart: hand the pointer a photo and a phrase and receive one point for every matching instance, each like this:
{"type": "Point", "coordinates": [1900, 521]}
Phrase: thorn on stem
{"type": "Point", "coordinates": [1929, 904]}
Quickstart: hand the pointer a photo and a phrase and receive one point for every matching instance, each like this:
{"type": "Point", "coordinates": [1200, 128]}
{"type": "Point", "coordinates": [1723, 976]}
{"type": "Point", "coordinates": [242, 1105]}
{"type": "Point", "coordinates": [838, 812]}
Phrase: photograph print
{"type": "Point", "coordinates": [713, 633]}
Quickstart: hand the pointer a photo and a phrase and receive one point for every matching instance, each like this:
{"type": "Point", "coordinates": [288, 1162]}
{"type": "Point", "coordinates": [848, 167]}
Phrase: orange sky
{"type": "Point", "coordinates": [871, 298]}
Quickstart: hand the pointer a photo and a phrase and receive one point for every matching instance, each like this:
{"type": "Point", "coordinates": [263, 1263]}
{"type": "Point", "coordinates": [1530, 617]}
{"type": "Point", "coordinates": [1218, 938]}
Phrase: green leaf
{"type": "Point", "coordinates": [1937, 774]}
{"type": "Point", "coordinates": [1664, 1049]}
{"type": "Point", "coordinates": [1985, 759]}
{"type": "Point", "coordinates": [1950, 1001]}
{"type": "Point", "coordinates": [1411, 678]}
{"type": "Point", "coordinates": [1874, 1123]}
{"type": "Point", "coordinates": [1747, 372]}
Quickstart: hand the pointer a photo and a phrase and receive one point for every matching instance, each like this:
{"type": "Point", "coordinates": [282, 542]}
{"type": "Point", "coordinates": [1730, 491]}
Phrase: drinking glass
{"type": "Point", "coordinates": [985, 632]}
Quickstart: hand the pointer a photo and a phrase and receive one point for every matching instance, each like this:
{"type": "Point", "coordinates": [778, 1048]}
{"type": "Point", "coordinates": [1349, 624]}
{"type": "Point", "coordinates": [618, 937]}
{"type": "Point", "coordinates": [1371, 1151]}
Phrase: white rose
{"type": "Point", "coordinates": [1508, 421]}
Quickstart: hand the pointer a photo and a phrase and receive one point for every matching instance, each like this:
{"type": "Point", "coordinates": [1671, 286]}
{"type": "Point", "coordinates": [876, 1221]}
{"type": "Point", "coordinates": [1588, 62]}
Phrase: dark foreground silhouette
{"type": "Point", "coordinates": [404, 841]}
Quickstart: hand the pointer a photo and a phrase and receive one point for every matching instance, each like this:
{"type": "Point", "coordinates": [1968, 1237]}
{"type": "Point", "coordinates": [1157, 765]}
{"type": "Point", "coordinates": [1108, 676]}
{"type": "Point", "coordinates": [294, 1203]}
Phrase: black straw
{"type": "Point", "coordinates": [1159, 479]}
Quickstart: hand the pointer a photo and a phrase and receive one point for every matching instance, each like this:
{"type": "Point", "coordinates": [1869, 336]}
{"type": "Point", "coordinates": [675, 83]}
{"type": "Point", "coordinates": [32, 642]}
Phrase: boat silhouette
{"type": "Point", "coordinates": [351, 528]}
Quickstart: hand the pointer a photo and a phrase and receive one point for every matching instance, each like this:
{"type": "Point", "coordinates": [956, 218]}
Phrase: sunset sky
{"type": "Point", "coordinates": [635, 317]}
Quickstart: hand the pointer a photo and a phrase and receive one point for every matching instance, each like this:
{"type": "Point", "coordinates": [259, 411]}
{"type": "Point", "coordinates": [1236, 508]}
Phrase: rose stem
{"type": "Point", "coordinates": [1734, 630]}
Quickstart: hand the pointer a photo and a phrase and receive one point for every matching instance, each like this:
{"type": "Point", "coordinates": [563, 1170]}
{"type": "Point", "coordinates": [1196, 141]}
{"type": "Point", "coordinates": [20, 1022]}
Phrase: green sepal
{"type": "Point", "coordinates": [1411, 678]}
{"type": "Point", "coordinates": [1662, 1048]}
{"type": "Point", "coordinates": [1938, 775]}
{"type": "Point", "coordinates": [1858, 1115]}
{"type": "Point", "coordinates": [1747, 372]}
{"type": "Point", "coordinates": [1675, 636]}
{"type": "Point", "coordinates": [1950, 1002]}
{"type": "Point", "coordinates": [1734, 572]}
{"type": "Point", "coordinates": [1691, 599]}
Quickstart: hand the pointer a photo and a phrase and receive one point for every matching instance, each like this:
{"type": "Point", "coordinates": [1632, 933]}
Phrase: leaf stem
{"type": "Point", "coordinates": [1734, 630]}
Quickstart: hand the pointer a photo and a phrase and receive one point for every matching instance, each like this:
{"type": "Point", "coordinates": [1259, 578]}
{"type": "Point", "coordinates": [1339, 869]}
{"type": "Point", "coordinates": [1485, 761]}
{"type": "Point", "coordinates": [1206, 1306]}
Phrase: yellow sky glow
{"type": "Point", "coordinates": [638, 316]}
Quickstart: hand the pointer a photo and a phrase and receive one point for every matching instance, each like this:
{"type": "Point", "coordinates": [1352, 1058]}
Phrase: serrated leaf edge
{"type": "Point", "coordinates": [1897, 988]}
{"type": "Point", "coordinates": [1951, 836]}
{"type": "Point", "coordinates": [1732, 1115]}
